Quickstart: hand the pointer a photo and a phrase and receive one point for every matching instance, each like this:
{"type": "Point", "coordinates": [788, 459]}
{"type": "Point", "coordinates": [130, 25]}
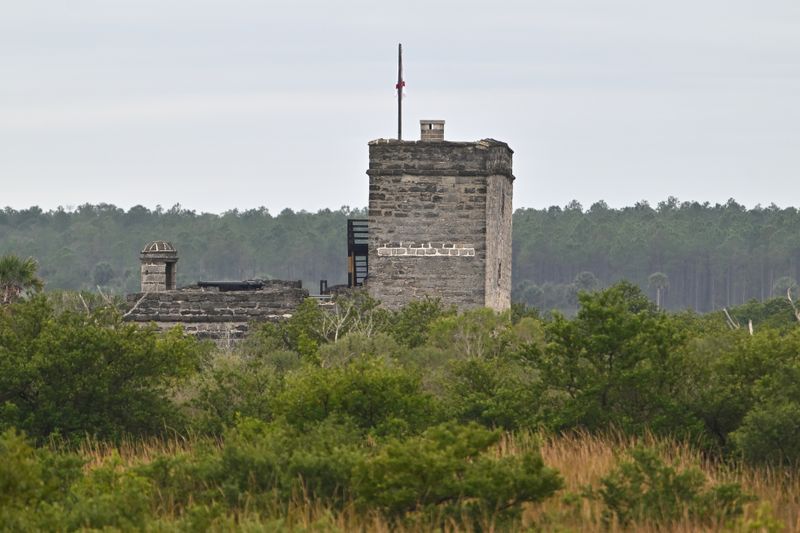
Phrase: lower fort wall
{"type": "Point", "coordinates": [221, 316]}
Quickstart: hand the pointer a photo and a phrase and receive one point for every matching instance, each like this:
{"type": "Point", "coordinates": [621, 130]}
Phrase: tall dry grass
{"type": "Point", "coordinates": [581, 458]}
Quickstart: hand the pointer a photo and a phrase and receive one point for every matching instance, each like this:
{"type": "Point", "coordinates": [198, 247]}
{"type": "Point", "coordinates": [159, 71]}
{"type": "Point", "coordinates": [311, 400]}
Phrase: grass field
{"type": "Point", "coordinates": [582, 460]}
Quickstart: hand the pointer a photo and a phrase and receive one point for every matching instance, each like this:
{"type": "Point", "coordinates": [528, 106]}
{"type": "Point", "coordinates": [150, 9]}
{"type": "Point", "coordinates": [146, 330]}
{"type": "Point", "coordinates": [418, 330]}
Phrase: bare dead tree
{"type": "Point", "coordinates": [335, 321]}
{"type": "Point", "coordinates": [107, 299]}
{"type": "Point", "coordinates": [791, 302]}
{"type": "Point", "coordinates": [733, 324]}
{"type": "Point", "coordinates": [132, 309]}
{"type": "Point", "coordinates": [80, 296]}
{"type": "Point", "coordinates": [353, 312]}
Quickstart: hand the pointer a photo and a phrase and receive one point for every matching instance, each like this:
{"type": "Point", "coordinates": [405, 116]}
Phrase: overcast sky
{"type": "Point", "coordinates": [241, 103]}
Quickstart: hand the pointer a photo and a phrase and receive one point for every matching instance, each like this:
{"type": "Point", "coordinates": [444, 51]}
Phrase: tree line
{"type": "Point", "coordinates": [684, 255]}
{"type": "Point", "coordinates": [687, 255]}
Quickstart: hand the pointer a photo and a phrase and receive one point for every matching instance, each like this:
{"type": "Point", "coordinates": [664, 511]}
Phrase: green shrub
{"type": "Point", "coordinates": [377, 396]}
{"type": "Point", "coordinates": [411, 324]}
{"type": "Point", "coordinates": [617, 363]}
{"type": "Point", "coordinates": [110, 497]}
{"type": "Point", "coordinates": [495, 393]}
{"type": "Point", "coordinates": [449, 471]}
{"type": "Point", "coordinates": [475, 333]}
{"type": "Point", "coordinates": [770, 431]}
{"type": "Point", "coordinates": [745, 390]}
{"type": "Point", "coordinates": [355, 346]}
{"type": "Point", "coordinates": [74, 374]}
{"type": "Point", "coordinates": [34, 484]}
{"type": "Point", "coordinates": [234, 385]}
{"type": "Point", "coordinates": [277, 460]}
{"type": "Point", "coordinates": [261, 464]}
{"type": "Point", "coordinates": [645, 489]}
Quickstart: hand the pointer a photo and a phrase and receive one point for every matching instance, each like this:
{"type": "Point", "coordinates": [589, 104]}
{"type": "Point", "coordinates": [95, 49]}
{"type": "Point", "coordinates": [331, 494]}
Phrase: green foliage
{"type": "Point", "coordinates": [734, 373]}
{"type": "Point", "coordinates": [74, 374]}
{"type": "Point", "coordinates": [495, 393]}
{"type": "Point", "coordinates": [233, 386]}
{"type": "Point", "coordinates": [617, 364]}
{"type": "Point", "coordinates": [41, 490]}
{"type": "Point", "coordinates": [449, 469]}
{"type": "Point", "coordinates": [108, 497]}
{"type": "Point", "coordinates": [282, 460]}
{"type": "Point", "coordinates": [645, 489]}
{"type": "Point", "coordinates": [17, 278]}
{"type": "Point", "coordinates": [103, 273]}
{"type": "Point", "coordinates": [357, 346]}
{"type": "Point", "coordinates": [31, 477]}
{"type": "Point", "coordinates": [260, 464]}
{"type": "Point", "coordinates": [520, 310]}
{"type": "Point", "coordinates": [770, 429]}
{"type": "Point", "coordinates": [775, 313]}
{"type": "Point", "coordinates": [354, 405]}
{"type": "Point", "coordinates": [474, 333]}
{"type": "Point", "coordinates": [411, 324]}
{"type": "Point", "coordinates": [311, 326]}
{"type": "Point", "coordinates": [376, 395]}
{"type": "Point", "coordinates": [355, 311]}
{"type": "Point", "coordinates": [770, 432]}
{"type": "Point", "coordinates": [303, 332]}
{"type": "Point", "coordinates": [763, 522]}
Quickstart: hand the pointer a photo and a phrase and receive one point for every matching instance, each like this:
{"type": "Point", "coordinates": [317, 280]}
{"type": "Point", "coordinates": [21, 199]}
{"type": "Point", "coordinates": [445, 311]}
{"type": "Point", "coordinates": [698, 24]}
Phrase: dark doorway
{"type": "Point", "coordinates": [170, 277]}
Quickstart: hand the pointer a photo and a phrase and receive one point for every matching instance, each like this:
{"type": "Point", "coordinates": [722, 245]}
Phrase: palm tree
{"type": "Point", "coordinates": [18, 278]}
{"type": "Point", "coordinates": [660, 282]}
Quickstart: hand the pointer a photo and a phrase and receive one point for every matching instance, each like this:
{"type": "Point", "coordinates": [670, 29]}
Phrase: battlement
{"type": "Point", "coordinates": [439, 158]}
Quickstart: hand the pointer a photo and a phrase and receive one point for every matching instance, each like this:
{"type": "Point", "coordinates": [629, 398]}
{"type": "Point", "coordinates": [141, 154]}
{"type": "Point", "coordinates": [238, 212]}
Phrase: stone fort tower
{"type": "Point", "coordinates": [159, 267]}
{"type": "Point", "coordinates": [440, 220]}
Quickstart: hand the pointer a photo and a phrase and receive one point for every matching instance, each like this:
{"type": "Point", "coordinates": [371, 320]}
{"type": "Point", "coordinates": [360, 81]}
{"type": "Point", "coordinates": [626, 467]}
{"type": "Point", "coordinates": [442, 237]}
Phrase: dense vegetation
{"type": "Point", "coordinates": [416, 419]}
{"type": "Point", "coordinates": [683, 254]}
{"type": "Point", "coordinates": [686, 254]}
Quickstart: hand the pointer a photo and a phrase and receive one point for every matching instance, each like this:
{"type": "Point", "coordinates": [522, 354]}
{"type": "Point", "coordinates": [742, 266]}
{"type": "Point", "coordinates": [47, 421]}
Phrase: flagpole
{"type": "Point", "coordinates": [400, 84]}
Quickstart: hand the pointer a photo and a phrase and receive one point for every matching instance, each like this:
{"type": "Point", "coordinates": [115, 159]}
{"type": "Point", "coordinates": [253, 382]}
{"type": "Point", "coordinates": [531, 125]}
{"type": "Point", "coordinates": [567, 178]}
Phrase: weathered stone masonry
{"type": "Point", "coordinates": [440, 221]}
{"type": "Point", "coordinates": [222, 316]}
{"type": "Point", "coordinates": [220, 311]}
{"type": "Point", "coordinates": [159, 261]}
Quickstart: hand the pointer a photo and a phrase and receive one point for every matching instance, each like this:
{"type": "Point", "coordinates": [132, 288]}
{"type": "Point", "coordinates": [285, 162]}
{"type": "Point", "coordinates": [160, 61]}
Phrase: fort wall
{"type": "Point", "coordinates": [222, 316]}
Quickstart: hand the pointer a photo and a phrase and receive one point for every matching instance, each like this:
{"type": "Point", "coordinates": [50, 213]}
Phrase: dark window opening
{"type": "Point", "coordinates": [499, 271]}
{"type": "Point", "coordinates": [170, 275]}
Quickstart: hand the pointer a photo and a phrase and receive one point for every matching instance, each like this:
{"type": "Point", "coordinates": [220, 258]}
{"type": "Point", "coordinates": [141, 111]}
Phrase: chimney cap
{"type": "Point", "coordinates": [431, 130]}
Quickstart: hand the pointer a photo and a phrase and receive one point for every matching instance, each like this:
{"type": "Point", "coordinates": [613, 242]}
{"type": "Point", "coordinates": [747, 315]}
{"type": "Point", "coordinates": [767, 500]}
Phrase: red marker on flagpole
{"type": "Point", "coordinates": [399, 87]}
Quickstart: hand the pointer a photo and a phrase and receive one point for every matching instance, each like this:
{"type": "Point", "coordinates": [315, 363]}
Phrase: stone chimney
{"type": "Point", "coordinates": [431, 130]}
{"type": "Point", "coordinates": [159, 261]}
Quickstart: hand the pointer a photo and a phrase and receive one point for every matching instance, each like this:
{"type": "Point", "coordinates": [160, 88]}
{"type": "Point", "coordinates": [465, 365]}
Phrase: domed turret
{"type": "Point", "coordinates": [159, 267]}
{"type": "Point", "coordinates": [159, 247]}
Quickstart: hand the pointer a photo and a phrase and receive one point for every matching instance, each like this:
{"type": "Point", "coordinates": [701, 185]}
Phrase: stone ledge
{"type": "Point", "coordinates": [426, 250]}
{"type": "Point", "coordinates": [439, 172]}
